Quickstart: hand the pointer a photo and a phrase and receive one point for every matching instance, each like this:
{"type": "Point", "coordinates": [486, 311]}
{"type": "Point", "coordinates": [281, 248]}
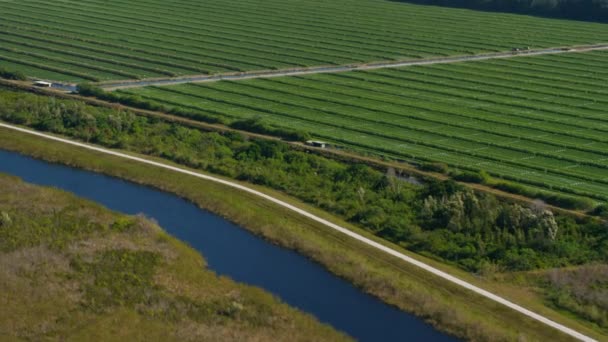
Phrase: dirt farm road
{"type": "Point", "coordinates": [113, 85]}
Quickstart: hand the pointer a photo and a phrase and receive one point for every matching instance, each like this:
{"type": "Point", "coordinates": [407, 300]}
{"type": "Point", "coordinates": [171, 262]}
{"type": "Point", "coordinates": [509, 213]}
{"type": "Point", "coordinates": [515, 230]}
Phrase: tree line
{"type": "Point", "coordinates": [593, 10]}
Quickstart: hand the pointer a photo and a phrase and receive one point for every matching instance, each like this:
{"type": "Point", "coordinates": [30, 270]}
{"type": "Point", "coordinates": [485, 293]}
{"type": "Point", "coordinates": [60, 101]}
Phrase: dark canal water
{"type": "Point", "coordinates": [236, 253]}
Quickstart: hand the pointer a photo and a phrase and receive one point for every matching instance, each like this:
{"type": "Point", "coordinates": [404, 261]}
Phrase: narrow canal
{"type": "Point", "coordinates": [234, 252]}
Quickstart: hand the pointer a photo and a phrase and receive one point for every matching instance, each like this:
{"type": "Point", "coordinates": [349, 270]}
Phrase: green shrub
{"type": "Point", "coordinates": [5, 219]}
{"type": "Point", "coordinates": [601, 211]}
{"type": "Point", "coordinates": [87, 89]}
{"type": "Point", "coordinates": [435, 167]}
{"type": "Point", "coordinates": [480, 177]}
{"type": "Point", "coordinates": [256, 125]}
{"type": "Point", "coordinates": [564, 201]}
{"type": "Point", "coordinates": [123, 224]}
{"type": "Point", "coordinates": [12, 75]}
{"type": "Point", "coordinates": [197, 116]}
{"type": "Point", "coordinates": [567, 201]}
{"type": "Point", "coordinates": [514, 189]}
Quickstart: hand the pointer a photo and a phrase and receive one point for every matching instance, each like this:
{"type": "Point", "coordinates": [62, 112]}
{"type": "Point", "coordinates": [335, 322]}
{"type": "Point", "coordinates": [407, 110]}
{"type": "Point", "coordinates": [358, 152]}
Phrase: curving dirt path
{"type": "Point", "coordinates": [362, 239]}
{"type": "Point", "coordinates": [112, 85]}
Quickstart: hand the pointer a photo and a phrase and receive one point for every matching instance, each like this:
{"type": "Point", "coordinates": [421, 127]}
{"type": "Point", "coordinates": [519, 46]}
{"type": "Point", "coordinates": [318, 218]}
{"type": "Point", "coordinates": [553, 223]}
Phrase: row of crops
{"type": "Point", "coordinates": [104, 40]}
{"type": "Point", "coordinates": [536, 120]}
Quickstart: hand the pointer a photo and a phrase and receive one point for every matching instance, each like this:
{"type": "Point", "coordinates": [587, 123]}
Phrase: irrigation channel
{"type": "Point", "coordinates": [234, 252]}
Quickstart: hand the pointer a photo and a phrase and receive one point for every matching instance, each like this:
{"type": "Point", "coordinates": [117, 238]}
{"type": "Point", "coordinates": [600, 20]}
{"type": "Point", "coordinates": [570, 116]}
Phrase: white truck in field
{"type": "Point", "coordinates": [43, 84]}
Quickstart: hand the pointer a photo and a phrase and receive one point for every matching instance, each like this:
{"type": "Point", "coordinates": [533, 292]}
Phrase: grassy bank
{"type": "Point", "coordinates": [451, 309]}
{"type": "Point", "coordinates": [73, 270]}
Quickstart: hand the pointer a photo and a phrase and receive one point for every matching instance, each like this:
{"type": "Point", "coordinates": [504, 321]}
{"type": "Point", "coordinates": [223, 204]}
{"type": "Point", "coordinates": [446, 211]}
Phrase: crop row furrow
{"type": "Point", "coordinates": [349, 107]}
{"type": "Point", "coordinates": [536, 62]}
{"type": "Point", "coordinates": [295, 35]}
{"type": "Point", "coordinates": [359, 124]}
{"type": "Point", "coordinates": [228, 106]}
{"type": "Point", "coordinates": [433, 97]}
{"type": "Point", "coordinates": [421, 45]}
{"type": "Point", "coordinates": [88, 56]}
{"type": "Point", "coordinates": [531, 89]}
{"type": "Point", "coordinates": [94, 48]}
{"type": "Point", "coordinates": [542, 110]}
{"type": "Point", "coordinates": [88, 66]}
{"type": "Point", "coordinates": [587, 82]}
{"type": "Point", "coordinates": [332, 22]}
{"type": "Point", "coordinates": [330, 91]}
{"type": "Point", "coordinates": [121, 50]}
{"type": "Point", "coordinates": [222, 47]}
{"type": "Point", "coordinates": [580, 85]}
{"type": "Point", "coordinates": [449, 15]}
{"type": "Point", "coordinates": [475, 104]}
{"type": "Point", "coordinates": [48, 67]}
{"type": "Point", "coordinates": [477, 98]}
{"type": "Point", "coordinates": [187, 36]}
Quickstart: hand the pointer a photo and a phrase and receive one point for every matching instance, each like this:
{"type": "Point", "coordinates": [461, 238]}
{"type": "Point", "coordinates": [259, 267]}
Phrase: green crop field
{"type": "Point", "coordinates": [107, 40]}
{"type": "Point", "coordinates": [540, 121]}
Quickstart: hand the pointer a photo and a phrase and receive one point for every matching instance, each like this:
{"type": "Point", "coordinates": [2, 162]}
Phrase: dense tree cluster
{"type": "Point", "coordinates": [440, 219]}
{"type": "Point", "coordinates": [596, 10]}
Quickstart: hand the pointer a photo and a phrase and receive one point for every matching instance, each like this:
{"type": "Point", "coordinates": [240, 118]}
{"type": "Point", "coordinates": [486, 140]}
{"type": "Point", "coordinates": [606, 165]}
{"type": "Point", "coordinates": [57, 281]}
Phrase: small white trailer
{"type": "Point", "coordinates": [43, 84]}
{"type": "Point", "coordinates": [316, 143]}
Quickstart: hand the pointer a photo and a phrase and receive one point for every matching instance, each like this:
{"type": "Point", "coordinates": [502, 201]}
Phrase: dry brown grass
{"type": "Point", "coordinates": [34, 292]}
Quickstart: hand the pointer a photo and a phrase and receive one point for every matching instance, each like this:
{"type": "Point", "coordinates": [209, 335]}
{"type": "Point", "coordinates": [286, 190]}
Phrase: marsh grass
{"type": "Point", "coordinates": [73, 270]}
